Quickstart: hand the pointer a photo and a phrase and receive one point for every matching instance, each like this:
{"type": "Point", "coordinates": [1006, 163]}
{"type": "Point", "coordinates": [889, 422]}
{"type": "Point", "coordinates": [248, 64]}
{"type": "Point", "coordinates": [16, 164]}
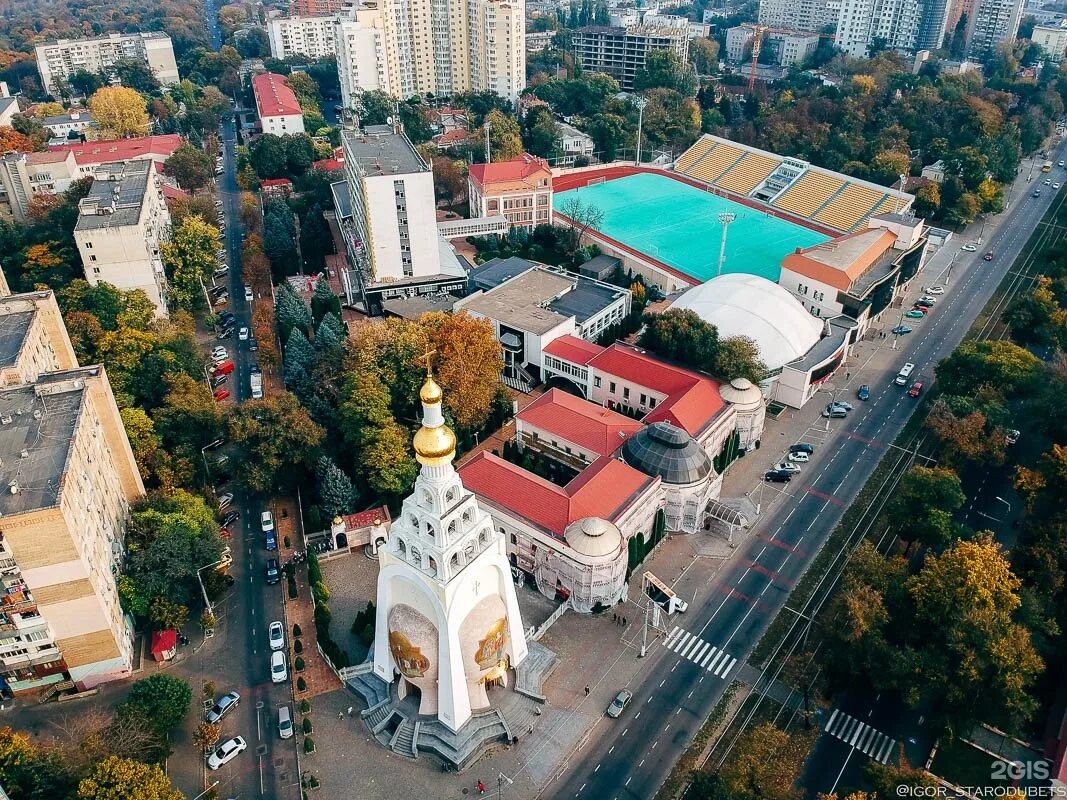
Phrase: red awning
{"type": "Point", "coordinates": [163, 642]}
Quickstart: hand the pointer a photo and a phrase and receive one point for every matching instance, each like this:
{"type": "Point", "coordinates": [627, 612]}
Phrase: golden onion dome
{"type": "Point", "coordinates": [434, 446]}
{"type": "Point", "coordinates": [430, 392]}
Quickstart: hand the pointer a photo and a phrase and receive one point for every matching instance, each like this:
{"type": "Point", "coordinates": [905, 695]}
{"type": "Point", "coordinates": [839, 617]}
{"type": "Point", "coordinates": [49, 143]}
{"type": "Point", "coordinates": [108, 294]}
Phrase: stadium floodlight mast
{"type": "Point", "coordinates": [725, 218]}
{"type": "Point", "coordinates": [640, 102]}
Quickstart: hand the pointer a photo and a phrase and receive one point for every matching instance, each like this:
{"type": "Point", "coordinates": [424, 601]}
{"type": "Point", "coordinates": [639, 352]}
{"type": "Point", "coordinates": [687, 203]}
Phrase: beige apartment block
{"type": "Point", "coordinates": [33, 338]}
{"type": "Point", "coordinates": [68, 476]}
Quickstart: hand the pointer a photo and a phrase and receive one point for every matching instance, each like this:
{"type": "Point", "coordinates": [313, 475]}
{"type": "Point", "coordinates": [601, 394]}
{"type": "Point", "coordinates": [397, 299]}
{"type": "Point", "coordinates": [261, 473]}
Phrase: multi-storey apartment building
{"type": "Point", "coordinates": [520, 189]}
{"type": "Point", "coordinates": [799, 15]}
{"type": "Point", "coordinates": [312, 37]}
{"type": "Point", "coordinates": [621, 52]}
{"type": "Point", "coordinates": [1052, 39]}
{"type": "Point", "coordinates": [69, 477]}
{"type": "Point", "coordinates": [306, 8]}
{"type": "Point", "coordinates": [121, 223]}
{"type": "Point", "coordinates": [33, 338]}
{"type": "Point", "coordinates": [276, 104]}
{"type": "Point", "coordinates": [902, 24]}
{"type": "Point", "coordinates": [990, 23]}
{"type": "Point", "coordinates": [388, 215]}
{"type": "Point", "coordinates": [420, 46]}
{"type": "Point", "coordinates": [57, 60]}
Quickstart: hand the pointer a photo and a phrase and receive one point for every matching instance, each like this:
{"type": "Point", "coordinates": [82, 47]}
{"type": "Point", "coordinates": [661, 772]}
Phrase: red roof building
{"type": "Point", "coordinates": [276, 187]}
{"type": "Point", "coordinates": [334, 164]}
{"type": "Point", "coordinates": [573, 349]}
{"type": "Point", "coordinates": [607, 489]}
{"type": "Point", "coordinates": [90, 154]}
{"type": "Point", "coordinates": [574, 427]}
{"type": "Point", "coordinates": [520, 189]}
{"type": "Point", "coordinates": [276, 104]}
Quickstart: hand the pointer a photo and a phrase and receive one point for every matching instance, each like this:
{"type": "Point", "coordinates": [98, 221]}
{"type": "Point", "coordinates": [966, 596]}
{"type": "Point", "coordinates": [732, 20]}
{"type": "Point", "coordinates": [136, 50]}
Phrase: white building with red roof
{"type": "Point", "coordinates": [276, 105]}
{"type": "Point", "coordinates": [520, 189]}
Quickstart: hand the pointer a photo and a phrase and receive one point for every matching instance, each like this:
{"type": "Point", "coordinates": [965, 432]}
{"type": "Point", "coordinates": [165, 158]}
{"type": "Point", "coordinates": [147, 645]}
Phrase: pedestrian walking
{"type": "Point", "coordinates": [340, 715]}
{"type": "Point", "coordinates": [350, 711]}
{"type": "Point", "coordinates": [615, 618]}
{"type": "Point", "coordinates": [624, 622]}
{"type": "Point", "coordinates": [481, 787]}
{"type": "Point", "coordinates": [586, 691]}
{"type": "Point", "coordinates": [848, 376]}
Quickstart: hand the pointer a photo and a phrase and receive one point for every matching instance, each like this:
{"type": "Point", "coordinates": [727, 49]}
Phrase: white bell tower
{"type": "Point", "coordinates": [447, 617]}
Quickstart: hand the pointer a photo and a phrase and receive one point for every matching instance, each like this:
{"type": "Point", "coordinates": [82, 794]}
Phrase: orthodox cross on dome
{"type": "Point", "coordinates": [427, 357]}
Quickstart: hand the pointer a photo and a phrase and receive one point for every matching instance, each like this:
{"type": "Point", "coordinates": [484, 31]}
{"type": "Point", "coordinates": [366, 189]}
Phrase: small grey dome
{"type": "Point", "coordinates": [594, 537]}
{"type": "Point", "coordinates": [669, 452]}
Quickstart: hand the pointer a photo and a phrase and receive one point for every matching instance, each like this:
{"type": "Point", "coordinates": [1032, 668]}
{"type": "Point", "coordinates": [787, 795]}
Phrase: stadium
{"type": "Point", "coordinates": [665, 224]}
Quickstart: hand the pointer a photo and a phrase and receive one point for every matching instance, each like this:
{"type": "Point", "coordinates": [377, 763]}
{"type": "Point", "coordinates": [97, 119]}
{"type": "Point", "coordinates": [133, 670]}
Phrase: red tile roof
{"type": "Point", "coordinates": [571, 348]}
{"type": "Point", "coordinates": [273, 96]}
{"type": "Point", "coordinates": [605, 489]}
{"type": "Point", "coordinates": [269, 182]}
{"type": "Point", "coordinates": [516, 169]}
{"type": "Point", "coordinates": [364, 519]}
{"type": "Point", "coordinates": [580, 422]}
{"type": "Point", "coordinates": [172, 192]}
{"type": "Point", "coordinates": [158, 148]}
{"type": "Point", "coordinates": [692, 401]}
{"type": "Point", "coordinates": [451, 137]}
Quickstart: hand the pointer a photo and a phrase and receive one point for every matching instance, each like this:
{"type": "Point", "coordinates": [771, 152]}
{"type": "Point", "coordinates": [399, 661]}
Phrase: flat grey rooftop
{"type": "Point", "coordinates": [13, 330]}
{"type": "Point", "coordinates": [827, 345]}
{"type": "Point", "coordinates": [522, 301]}
{"type": "Point", "coordinates": [495, 271]}
{"type": "Point", "coordinates": [379, 150]}
{"type": "Point", "coordinates": [124, 196]}
{"type": "Point", "coordinates": [342, 199]}
{"type": "Point", "coordinates": [585, 300]}
{"type": "Point", "coordinates": [35, 444]}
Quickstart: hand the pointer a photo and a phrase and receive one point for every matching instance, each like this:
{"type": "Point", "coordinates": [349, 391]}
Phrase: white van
{"type": "Point", "coordinates": [904, 374]}
{"type": "Point", "coordinates": [285, 723]}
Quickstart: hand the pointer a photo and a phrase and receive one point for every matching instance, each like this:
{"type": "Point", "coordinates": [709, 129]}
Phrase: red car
{"type": "Point", "coordinates": [225, 533]}
{"type": "Point", "coordinates": [916, 389]}
{"type": "Point", "coordinates": [225, 368]}
{"type": "Point", "coordinates": [221, 394]}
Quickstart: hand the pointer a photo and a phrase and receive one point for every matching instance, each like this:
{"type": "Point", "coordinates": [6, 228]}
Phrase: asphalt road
{"type": "Point", "coordinates": [630, 757]}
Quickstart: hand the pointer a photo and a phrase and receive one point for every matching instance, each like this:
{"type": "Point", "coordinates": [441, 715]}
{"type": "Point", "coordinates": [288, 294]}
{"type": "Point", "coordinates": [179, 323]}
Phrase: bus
{"type": "Point", "coordinates": [1047, 167]}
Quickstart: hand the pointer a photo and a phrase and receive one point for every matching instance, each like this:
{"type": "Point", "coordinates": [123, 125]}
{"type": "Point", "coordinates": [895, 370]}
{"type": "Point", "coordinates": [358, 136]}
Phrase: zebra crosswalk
{"type": "Point", "coordinates": [711, 659]}
{"type": "Point", "coordinates": [860, 736]}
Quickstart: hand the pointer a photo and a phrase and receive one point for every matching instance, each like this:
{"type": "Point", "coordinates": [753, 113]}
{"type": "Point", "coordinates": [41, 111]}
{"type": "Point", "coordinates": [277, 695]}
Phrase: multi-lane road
{"type": "Point", "coordinates": [630, 757]}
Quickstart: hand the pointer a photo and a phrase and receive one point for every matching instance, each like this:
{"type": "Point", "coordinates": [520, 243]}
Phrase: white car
{"type": "Point", "coordinates": [798, 457]}
{"type": "Point", "coordinates": [225, 500]}
{"type": "Point", "coordinates": [968, 248]}
{"type": "Point", "coordinates": [276, 635]}
{"type": "Point", "coordinates": [266, 522]}
{"type": "Point", "coordinates": [787, 466]}
{"type": "Point", "coordinates": [226, 752]}
{"type": "Point", "coordinates": [248, 294]}
{"type": "Point", "coordinates": [1055, 186]}
{"type": "Point", "coordinates": [220, 353]}
{"type": "Point", "coordinates": [242, 334]}
{"type": "Point", "coordinates": [278, 671]}
{"type": "Point", "coordinates": [935, 290]}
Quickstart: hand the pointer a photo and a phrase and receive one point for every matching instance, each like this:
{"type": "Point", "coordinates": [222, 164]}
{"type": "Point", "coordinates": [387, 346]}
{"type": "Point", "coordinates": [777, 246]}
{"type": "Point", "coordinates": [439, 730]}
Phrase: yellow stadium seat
{"type": "Point", "coordinates": [721, 158]}
{"type": "Point", "coordinates": [808, 194]}
{"type": "Point", "coordinates": [699, 149]}
{"type": "Point", "coordinates": [854, 203]}
{"type": "Point", "coordinates": [747, 174]}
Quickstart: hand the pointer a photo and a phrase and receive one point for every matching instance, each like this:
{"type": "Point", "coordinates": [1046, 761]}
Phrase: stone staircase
{"type": "Point", "coordinates": [376, 716]}
{"type": "Point", "coordinates": [54, 689]}
{"type": "Point", "coordinates": [403, 741]}
{"type": "Point", "coordinates": [464, 747]}
{"type": "Point", "coordinates": [371, 688]}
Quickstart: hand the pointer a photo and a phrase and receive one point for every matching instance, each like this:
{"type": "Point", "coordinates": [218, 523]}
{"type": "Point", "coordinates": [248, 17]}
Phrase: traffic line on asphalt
{"type": "Point", "coordinates": [860, 736]}
{"type": "Point", "coordinates": [703, 654]}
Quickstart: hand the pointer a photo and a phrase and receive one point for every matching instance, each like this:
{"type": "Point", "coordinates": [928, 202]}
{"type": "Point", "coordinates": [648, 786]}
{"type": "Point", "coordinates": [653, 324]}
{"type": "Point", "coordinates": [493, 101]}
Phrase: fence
{"type": "Point", "coordinates": [559, 612]}
{"type": "Point", "coordinates": [344, 674]}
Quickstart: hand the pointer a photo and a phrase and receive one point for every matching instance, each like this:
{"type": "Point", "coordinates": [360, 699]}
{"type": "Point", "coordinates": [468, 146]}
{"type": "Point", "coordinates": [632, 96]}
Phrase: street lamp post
{"type": "Point", "coordinates": [208, 789]}
{"type": "Point", "coordinates": [203, 589]}
{"type": "Point", "coordinates": [640, 102]}
{"type": "Point", "coordinates": [1005, 502]}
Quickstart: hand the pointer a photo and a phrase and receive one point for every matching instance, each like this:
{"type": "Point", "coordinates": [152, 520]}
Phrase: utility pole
{"type": "Point", "coordinates": [725, 218]}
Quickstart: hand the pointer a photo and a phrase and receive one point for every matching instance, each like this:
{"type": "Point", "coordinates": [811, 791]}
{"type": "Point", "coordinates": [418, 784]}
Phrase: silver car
{"type": "Point", "coordinates": [225, 704]}
{"type": "Point", "coordinates": [622, 699]}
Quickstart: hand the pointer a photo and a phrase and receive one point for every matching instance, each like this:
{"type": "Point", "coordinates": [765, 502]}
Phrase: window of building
{"type": "Point", "coordinates": [611, 387]}
{"type": "Point", "coordinates": [626, 393]}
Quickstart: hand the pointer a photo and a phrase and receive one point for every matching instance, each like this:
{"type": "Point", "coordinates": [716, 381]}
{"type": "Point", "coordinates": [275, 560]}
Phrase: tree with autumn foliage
{"type": "Point", "coordinates": [274, 437]}
{"type": "Point", "coordinates": [119, 112]}
{"type": "Point", "coordinates": [264, 331]}
{"type": "Point", "coordinates": [190, 166]}
{"type": "Point", "coordinates": [125, 779]}
{"type": "Point", "coordinates": [11, 139]}
{"type": "Point", "coordinates": [965, 438]}
{"type": "Point", "coordinates": [765, 762]}
{"type": "Point", "coordinates": [189, 259]}
{"type": "Point", "coordinates": [467, 364]}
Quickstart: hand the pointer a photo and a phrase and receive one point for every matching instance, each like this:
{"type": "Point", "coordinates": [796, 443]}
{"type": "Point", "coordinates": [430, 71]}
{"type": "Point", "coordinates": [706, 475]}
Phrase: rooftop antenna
{"type": "Point", "coordinates": [488, 154]}
{"type": "Point", "coordinates": [725, 218]}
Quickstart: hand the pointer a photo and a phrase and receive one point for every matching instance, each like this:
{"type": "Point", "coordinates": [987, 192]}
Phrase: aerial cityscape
{"type": "Point", "coordinates": [533, 399]}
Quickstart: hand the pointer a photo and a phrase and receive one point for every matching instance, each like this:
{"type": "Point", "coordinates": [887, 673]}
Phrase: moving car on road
{"type": "Point", "coordinates": [622, 699]}
{"type": "Point", "coordinates": [935, 290]}
{"type": "Point", "coordinates": [988, 256]}
{"type": "Point", "coordinates": [916, 389]}
{"type": "Point", "coordinates": [226, 752]}
{"type": "Point", "coordinates": [227, 703]}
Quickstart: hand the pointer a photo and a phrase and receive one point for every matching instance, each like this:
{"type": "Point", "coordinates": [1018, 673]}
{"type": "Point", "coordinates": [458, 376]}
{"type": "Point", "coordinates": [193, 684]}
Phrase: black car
{"type": "Point", "coordinates": [802, 447]}
{"type": "Point", "coordinates": [218, 380]}
{"type": "Point", "coordinates": [226, 317]}
{"type": "Point", "coordinates": [231, 518]}
{"type": "Point", "coordinates": [273, 575]}
{"type": "Point", "coordinates": [254, 369]}
{"type": "Point", "coordinates": [225, 333]}
{"type": "Point", "coordinates": [253, 345]}
{"type": "Point", "coordinates": [778, 476]}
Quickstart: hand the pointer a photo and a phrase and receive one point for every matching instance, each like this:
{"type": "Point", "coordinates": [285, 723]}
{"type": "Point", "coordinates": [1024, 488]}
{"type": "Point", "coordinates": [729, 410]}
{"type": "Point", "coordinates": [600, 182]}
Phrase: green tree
{"type": "Point", "coordinates": [387, 461]}
{"type": "Point", "coordinates": [31, 773]}
{"type": "Point", "coordinates": [292, 312]}
{"type": "Point", "coordinates": [738, 357]}
{"type": "Point", "coordinates": [298, 360]}
{"type": "Point", "coordinates": [299, 153]}
{"type": "Point", "coordinates": [1000, 363]}
{"type": "Point", "coordinates": [540, 133]}
{"type": "Point", "coordinates": [923, 504]}
{"type": "Point", "coordinates": [681, 335]}
{"type": "Point", "coordinates": [268, 156]}
{"type": "Point", "coordinates": [337, 495]}
{"type": "Point", "coordinates": [126, 779]}
{"type": "Point", "coordinates": [324, 301]}
{"type": "Point", "coordinates": [190, 166]}
{"type": "Point", "coordinates": [365, 408]}
{"type": "Point", "coordinates": [315, 241]}
{"type": "Point", "coordinates": [704, 55]}
{"type": "Point", "coordinates": [160, 699]}
{"type": "Point", "coordinates": [167, 615]}
{"type": "Point", "coordinates": [189, 258]}
{"type": "Point", "coordinates": [609, 133]}
{"type": "Point", "coordinates": [505, 139]}
{"type": "Point", "coordinates": [664, 69]}
{"type": "Point", "coordinates": [330, 333]}
{"type": "Point", "coordinates": [273, 436]}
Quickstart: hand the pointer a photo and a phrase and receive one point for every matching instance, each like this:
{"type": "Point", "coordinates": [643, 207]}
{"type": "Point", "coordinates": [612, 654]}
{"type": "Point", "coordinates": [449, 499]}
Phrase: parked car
{"type": "Point", "coordinates": [834, 412]}
{"type": "Point", "coordinates": [266, 521]}
{"type": "Point", "coordinates": [1011, 436]}
{"type": "Point", "coordinates": [900, 330]}
{"type": "Point", "coordinates": [254, 369]}
{"type": "Point", "coordinates": [916, 389]}
{"type": "Point", "coordinates": [222, 368]}
{"type": "Point", "coordinates": [221, 300]}
{"type": "Point", "coordinates": [253, 345]}
{"type": "Point", "coordinates": [215, 291]}
{"type": "Point", "coordinates": [936, 290]}
{"type": "Point", "coordinates": [278, 671]}
{"type": "Point", "coordinates": [276, 636]}
{"type": "Point", "coordinates": [221, 271]}
{"type": "Point", "coordinates": [248, 294]}
{"type": "Point", "coordinates": [618, 705]}
{"type": "Point", "coordinates": [843, 404]}
{"type": "Point", "coordinates": [988, 256]}
{"type": "Point", "coordinates": [225, 500]}
{"type": "Point", "coordinates": [271, 542]}
{"type": "Point", "coordinates": [1056, 186]}
{"type": "Point", "coordinates": [242, 334]}
{"type": "Point", "coordinates": [787, 466]}
{"type": "Point", "coordinates": [802, 447]}
{"type": "Point", "coordinates": [926, 301]}
{"type": "Point", "coordinates": [968, 248]}
{"type": "Point", "coordinates": [272, 571]}
{"type": "Point", "coordinates": [221, 394]}
{"type": "Point", "coordinates": [285, 723]}
{"type": "Point", "coordinates": [775, 476]}
{"type": "Point", "coordinates": [218, 380]}
{"type": "Point", "coordinates": [226, 752]}
{"type": "Point", "coordinates": [225, 333]}
{"type": "Point", "coordinates": [219, 353]}
{"type": "Point", "coordinates": [230, 518]}
{"type": "Point", "coordinates": [227, 703]}
{"type": "Point", "coordinates": [864, 392]}
{"type": "Point", "coordinates": [225, 533]}
{"type": "Point", "coordinates": [915, 313]}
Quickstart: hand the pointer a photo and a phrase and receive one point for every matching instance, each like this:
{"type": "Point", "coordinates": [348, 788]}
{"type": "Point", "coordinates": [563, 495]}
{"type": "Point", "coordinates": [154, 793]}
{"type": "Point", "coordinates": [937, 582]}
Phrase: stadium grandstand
{"type": "Point", "coordinates": [806, 192]}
